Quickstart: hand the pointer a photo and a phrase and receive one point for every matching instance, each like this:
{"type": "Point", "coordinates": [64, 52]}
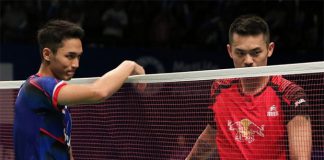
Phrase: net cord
{"type": "Point", "coordinates": [284, 69]}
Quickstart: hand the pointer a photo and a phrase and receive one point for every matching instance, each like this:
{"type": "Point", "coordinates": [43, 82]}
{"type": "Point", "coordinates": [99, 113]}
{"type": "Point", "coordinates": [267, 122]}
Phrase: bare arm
{"type": "Point", "coordinates": [71, 155]}
{"type": "Point", "coordinates": [205, 145]}
{"type": "Point", "coordinates": [102, 88]}
{"type": "Point", "coordinates": [300, 138]}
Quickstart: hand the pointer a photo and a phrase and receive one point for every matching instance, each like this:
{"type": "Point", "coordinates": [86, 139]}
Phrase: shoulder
{"type": "Point", "coordinates": [285, 86]}
{"type": "Point", "coordinates": [218, 85]}
{"type": "Point", "coordinates": [44, 79]}
{"type": "Point", "coordinates": [291, 92]}
{"type": "Point", "coordinates": [224, 83]}
{"type": "Point", "coordinates": [43, 83]}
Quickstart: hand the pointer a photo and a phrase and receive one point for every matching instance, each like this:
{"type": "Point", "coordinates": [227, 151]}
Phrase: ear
{"type": "Point", "coordinates": [47, 54]}
{"type": "Point", "coordinates": [229, 50]}
{"type": "Point", "coordinates": [270, 48]}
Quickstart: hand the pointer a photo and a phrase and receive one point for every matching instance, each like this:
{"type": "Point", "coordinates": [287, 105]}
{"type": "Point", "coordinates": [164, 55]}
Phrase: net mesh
{"type": "Point", "coordinates": [165, 120]}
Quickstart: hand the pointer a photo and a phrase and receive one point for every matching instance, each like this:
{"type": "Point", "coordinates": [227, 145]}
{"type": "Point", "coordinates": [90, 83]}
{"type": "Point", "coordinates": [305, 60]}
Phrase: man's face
{"type": "Point", "coordinates": [64, 63]}
{"type": "Point", "coordinates": [249, 51]}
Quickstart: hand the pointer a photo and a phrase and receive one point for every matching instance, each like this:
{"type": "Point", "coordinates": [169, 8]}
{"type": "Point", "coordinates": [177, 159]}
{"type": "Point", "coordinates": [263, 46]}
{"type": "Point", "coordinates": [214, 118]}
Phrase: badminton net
{"type": "Point", "coordinates": [165, 120]}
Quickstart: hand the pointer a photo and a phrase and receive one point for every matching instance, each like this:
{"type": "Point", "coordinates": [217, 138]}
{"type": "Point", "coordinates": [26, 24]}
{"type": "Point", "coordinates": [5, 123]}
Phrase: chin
{"type": "Point", "coordinates": [67, 78]}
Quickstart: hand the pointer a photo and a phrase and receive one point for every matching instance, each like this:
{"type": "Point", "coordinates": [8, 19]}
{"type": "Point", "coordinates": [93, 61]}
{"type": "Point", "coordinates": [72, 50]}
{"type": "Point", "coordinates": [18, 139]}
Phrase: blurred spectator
{"type": "Point", "coordinates": [182, 13]}
{"type": "Point", "coordinates": [162, 29]}
{"type": "Point", "coordinates": [53, 9]}
{"type": "Point", "coordinates": [170, 24]}
{"type": "Point", "coordinates": [14, 23]}
{"type": "Point", "coordinates": [136, 31]}
{"type": "Point", "coordinates": [114, 19]}
{"type": "Point", "coordinates": [74, 14]}
{"type": "Point", "coordinates": [212, 34]}
{"type": "Point", "coordinates": [276, 18]}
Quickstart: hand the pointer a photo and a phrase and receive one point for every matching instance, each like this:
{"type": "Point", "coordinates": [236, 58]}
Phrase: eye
{"type": "Point", "coordinates": [72, 55]}
{"type": "Point", "coordinates": [240, 53]}
{"type": "Point", "coordinates": [255, 53]}
{"type": "Point", "coordinates": [69, 56]}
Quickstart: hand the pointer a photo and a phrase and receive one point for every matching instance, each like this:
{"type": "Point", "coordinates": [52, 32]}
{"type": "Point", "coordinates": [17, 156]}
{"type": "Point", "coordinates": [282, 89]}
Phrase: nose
{"type": "Point", "coordinates": [75, 63]}
{"type": "Point", "coordinates": [248, 60]}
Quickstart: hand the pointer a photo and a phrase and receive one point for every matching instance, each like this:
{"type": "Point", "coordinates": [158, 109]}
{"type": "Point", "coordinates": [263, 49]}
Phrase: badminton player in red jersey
{"type": "Point", "coordinates": [255, 118]}
{"type": "Point", "coordinates": [42, 125]}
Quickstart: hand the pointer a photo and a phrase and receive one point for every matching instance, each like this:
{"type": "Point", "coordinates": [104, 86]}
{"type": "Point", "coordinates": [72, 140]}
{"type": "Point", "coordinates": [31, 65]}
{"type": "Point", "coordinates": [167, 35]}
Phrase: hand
{"type": "Point", "coordinates": [138, 70]}
{"type": "Point", "coordinates": [140, 87]}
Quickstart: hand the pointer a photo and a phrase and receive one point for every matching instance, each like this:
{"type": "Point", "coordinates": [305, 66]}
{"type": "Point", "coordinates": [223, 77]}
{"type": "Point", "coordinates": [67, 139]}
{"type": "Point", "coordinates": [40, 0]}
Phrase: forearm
{"type": "Point", "coordinates": [110, 82]}
{"type": "Point", "coordinates": [205, 145]}
{"type": "Point", "coordinates": [202, 150]}
{"type": "Point", "coordinates": [300, 138]}
{"type": "Point", "coordinates": [104, 87]}
{"type": "Point", "coordinates": [70, 154]}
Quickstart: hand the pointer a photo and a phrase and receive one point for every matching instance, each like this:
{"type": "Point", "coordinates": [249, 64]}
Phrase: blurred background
{"type": "Point", "coordinates": [162, 35]}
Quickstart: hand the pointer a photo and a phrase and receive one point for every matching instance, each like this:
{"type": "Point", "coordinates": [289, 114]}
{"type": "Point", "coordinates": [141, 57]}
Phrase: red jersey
{"type": "Point", "coordinates": [254, 126]}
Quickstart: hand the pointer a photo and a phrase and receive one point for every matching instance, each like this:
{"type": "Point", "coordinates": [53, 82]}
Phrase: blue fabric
{"type": "Point", "coordinates": [39, 126]}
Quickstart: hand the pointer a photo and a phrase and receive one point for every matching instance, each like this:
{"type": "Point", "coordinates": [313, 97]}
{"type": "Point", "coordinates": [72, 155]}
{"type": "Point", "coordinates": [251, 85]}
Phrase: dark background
{"type": "Point", "coordinates": [162, 35]}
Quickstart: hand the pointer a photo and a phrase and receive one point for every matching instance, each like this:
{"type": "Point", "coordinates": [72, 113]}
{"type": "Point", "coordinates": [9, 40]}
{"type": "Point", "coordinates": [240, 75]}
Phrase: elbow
{"type": "Point", "coordinates": [101, 93]}
{"type": "Point", "coordinates": [99, 96]}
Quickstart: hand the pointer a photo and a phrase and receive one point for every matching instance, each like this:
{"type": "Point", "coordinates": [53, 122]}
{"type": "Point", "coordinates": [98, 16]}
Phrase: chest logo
{"type": "Point", "coordinates": [273, 112]}
{"type": "Point", "coordinates": [245, 130]}
{"type": "Point", "coordinates": [68, 125]}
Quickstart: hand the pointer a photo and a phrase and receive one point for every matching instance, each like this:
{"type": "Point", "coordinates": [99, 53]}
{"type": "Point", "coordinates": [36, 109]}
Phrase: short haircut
{"type": "Point", "coordinates": [249, 25]}
{"type": "Point", "coordinates": [52, 34]}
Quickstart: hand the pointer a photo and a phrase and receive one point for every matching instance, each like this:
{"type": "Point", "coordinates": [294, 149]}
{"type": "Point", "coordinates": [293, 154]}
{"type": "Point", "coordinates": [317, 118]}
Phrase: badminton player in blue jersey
{"type": "Point", "coordinates": [42, 124]}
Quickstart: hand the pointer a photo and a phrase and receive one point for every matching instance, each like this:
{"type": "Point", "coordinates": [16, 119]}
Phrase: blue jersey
{"type": "Point", "coordinates": [42, 128]}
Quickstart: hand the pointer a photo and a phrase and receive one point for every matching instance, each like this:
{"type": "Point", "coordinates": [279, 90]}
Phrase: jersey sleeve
{"type": "Point", "coordinates": [214, 92]}
{"type": "Point", "coordinates": [295, 98]}
{"type": "Point", "coordinates": [50, 87]}
{"type": "Point", "coordinates": [212, 99]}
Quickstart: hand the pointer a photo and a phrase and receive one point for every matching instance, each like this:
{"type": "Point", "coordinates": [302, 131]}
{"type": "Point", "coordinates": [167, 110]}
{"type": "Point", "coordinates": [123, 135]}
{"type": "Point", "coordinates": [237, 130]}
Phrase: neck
{"type": "Point", "coordinates": [253, 85]}
{"type": "Point", "coordinates": [44, 71]}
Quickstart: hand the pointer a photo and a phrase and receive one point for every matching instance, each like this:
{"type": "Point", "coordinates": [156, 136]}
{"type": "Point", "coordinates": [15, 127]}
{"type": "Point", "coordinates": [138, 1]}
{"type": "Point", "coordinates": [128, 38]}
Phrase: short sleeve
{"type": "Point", "coordinates": [296, 100]}
{"type": "Point", "coordinates": [50, 87]}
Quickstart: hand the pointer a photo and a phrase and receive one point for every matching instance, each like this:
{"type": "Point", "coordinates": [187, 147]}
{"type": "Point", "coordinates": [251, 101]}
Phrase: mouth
{"type": "Point", "coordinates": [70, 73]}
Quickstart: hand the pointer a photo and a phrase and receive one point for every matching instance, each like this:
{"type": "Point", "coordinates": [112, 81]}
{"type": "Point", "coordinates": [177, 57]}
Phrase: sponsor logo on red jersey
{"type": "Point", "coordinates": [245, 130]}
